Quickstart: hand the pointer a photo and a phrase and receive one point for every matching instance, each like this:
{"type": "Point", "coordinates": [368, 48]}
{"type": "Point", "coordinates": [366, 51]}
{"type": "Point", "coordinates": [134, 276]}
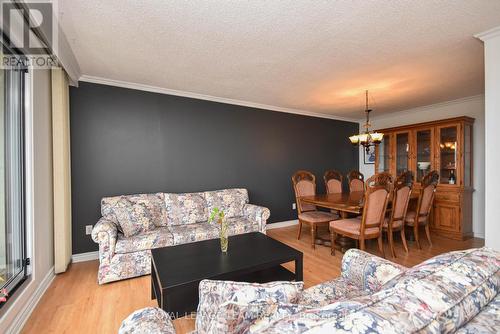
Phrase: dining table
{"type": "Point", "coordinates": [348, 204]}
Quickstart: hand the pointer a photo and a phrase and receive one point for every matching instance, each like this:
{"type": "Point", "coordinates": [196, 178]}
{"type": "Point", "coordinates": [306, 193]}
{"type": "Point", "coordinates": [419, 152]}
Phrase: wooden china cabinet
{"type": "Point", "coordinates": [444, 146]}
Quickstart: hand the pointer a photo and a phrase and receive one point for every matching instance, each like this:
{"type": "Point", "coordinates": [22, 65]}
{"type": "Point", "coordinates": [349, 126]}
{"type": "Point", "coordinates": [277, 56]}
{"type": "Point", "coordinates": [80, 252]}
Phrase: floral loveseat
{"type": "Point", "coordinates": [132, 225]}
{"type": "Point", "coordinates": [453, 292]}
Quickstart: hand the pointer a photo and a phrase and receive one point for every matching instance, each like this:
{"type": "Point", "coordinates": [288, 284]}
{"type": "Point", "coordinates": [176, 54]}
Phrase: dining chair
{"type": "Point", "coordinates": [395, 220]}
{"type": "Point", "coordinates": [304, 184]}
{"type": "Point", "coordinates": [369, 226]}
{"type": "Point", "coordinates": [333, 182]}
{"type": "Point", "coordinates": [424, 207]}
{"type": "Point", "coordinates": [356, 181]}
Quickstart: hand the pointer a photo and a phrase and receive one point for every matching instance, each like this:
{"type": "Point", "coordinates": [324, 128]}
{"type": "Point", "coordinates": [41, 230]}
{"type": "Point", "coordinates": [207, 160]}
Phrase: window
{"type": "Point", "coordinates": [12, 189]}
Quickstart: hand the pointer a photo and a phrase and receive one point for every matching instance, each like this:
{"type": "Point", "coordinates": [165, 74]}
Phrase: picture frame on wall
{"type": "Point", "coordinates": [369, 157]}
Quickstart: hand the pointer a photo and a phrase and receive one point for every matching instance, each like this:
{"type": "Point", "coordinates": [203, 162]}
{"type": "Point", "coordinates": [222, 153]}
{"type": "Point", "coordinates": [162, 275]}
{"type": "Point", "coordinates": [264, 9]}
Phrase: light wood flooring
{"type": "Point", "coordinates": [75, 303]}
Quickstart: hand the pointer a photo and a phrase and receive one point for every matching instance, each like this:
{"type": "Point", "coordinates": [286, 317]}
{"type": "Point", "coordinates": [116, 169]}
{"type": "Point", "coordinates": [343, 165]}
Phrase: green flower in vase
{"type": "Point", "coordinates": [218, 215]}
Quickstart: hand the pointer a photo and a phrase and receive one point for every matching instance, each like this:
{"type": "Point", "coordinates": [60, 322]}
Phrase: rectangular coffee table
{"type": "Point", "coordinates": [253, 257]}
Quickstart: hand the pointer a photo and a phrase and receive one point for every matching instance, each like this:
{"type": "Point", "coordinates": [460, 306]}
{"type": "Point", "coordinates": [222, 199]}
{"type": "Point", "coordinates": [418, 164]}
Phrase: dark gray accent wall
{"type": "Point", "coordinates": [127, 141]}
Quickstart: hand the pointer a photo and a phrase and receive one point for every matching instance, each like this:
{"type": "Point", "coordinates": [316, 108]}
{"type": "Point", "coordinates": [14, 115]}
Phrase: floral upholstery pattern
{"type": "Point", "coordinates": [214, 293]}
{"type": "Point", "coordinates": [451, 293]}
{"type": "Point", "coordinates": [487, 321]}
{"type": "Point", "coordinates": [187, 208]}
{"type": "Point", "coordinates": [240, 225]}
{"type": "Point", "coordinates": [330, 292]}
{"type": "Point", "coordinates": [367, 272]}
{"type": "Point", "coordinates": [135, 213]}
{"type": "Point", "coordinates": [149, 320]}
{"type": "Point", "coordinates": [257, 214]}
{"type": "Point", "coordinates": [132, 225]}
{"type": "Point", "coordinates": [231, 201]}
{"type": "Point", "coordinates": [184, 234]}
{"type": "Point", "coordinates": [161, 237]}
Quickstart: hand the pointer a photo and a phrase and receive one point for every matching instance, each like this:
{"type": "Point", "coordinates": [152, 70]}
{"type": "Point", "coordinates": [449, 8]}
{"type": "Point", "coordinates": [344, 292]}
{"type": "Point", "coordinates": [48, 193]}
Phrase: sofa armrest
{"type": "Point", "coordinates": [147, 320]}
{"type": "Point", "coordinates": [369, 272]}
{"type": "Point", "coordinates": [105, 233]}
{"type": "Point", "coordinates": [258, 214]}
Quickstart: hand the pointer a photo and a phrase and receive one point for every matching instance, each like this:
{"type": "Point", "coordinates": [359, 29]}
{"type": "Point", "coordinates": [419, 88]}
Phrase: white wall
{"type": "Point", "coordinates": [492, 112]}
{"type": "Point", "coordinates": [472, 107]}
{"type": "Point", "coordinates": [40, 206]}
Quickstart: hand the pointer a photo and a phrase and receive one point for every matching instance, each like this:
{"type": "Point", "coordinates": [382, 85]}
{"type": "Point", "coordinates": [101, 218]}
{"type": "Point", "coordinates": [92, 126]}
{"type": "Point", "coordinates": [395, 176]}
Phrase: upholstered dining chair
{"type": "Point", "coordinates": [420, 217]}
{"type": "Point", "coordinates": [333, 182]}
{"type": "Point", "coordinates": [356, 181]}
{"type": "Point", "coordinates": [369, 226]}
{"type": "Point", "coordinates": [304, 184]}
{"type": "Point", "coordinates": [395, 220]}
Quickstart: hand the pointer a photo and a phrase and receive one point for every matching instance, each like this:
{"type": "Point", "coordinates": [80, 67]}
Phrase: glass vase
{"type": "Point", "coordinates": [224, 241]}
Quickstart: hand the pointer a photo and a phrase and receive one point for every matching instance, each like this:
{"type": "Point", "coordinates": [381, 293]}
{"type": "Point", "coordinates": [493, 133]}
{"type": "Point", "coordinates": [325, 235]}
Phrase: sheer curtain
{"type": "Point", "coordinates": [62, 170]}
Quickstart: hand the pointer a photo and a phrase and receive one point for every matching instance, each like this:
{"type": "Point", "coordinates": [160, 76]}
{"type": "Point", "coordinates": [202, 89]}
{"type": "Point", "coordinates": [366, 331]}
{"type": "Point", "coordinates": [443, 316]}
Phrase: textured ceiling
{"type": "Point", "coordinates": [317, 56]}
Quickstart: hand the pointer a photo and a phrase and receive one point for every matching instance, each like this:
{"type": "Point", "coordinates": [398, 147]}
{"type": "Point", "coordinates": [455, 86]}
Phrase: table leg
{"type": "Point", "coordinates": [299, 269]}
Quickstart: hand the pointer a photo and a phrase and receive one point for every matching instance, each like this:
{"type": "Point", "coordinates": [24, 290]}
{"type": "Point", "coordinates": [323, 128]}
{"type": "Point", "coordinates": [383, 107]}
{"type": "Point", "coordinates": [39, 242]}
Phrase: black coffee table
{"type": "Point", "coordinates": [251, 257]}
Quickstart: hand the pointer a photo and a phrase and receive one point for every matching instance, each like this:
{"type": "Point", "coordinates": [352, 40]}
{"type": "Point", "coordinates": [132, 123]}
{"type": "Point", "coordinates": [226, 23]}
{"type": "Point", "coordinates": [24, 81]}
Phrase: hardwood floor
{"type": "Point", "coordinates": [75, 303]}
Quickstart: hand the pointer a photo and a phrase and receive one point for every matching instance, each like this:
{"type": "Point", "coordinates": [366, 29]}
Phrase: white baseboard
{"type": "Point", "coordinates": [282, 224]}
{"type": "Point", "coordinates": [82, 257]}
{"type": "Point", "coordinates": [21, 318]}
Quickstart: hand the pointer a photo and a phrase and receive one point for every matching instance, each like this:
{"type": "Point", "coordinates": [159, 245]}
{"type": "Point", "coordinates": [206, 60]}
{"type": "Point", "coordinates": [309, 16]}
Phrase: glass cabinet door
{"type": "Point", "coordinates": [384, 155]}
{"type": "Point", "coordinates": [423, 148]}
{"type": "Point", "coordinates": [447, 154]}
{"type": "Point", "coordinates": [402, 152]}
{"type": "Point", "coordinates": [467, 149]}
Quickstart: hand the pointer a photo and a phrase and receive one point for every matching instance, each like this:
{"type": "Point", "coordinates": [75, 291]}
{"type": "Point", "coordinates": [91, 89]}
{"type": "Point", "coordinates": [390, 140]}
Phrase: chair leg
{"type": "Point", "coordinates": [428, 234]}
{"type": "Point", "coordinates": [362, 244]}
{"type": "Point", "coordinates": [390, 235]}
{"type": "Point", "coordinates": [313, 236]}
{"type": "Point", "coordinates": [333, 236]}
{"type": "Point", "coordinates": [299, 232]}
{"type": "Point", "coordinates": [415, 234]}
{"type": "Point", "coordinates": [381, 245]}
{"type": "Point", "coordinates": [403, 239]}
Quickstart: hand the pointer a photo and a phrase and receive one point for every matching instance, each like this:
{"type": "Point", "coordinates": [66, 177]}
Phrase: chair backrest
{"type": "Point", "coordinates": [304, 184]}
{"type": "Point", "coordinates": [426, 197]}
{"type": "Point", "coordinates": [377, 192]}
{"type": "Point", "coordinates": [333, 182]}
{"type": "Point", "coordinates": [356, 181]}
{"type": "Point", "coordinates": [401, 197]}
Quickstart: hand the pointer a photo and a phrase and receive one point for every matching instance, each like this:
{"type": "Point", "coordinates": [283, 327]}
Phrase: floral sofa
{"type": "Point", "coordinates": [456, 292]}
{"type": "Point", "coordinates": [132, 225]}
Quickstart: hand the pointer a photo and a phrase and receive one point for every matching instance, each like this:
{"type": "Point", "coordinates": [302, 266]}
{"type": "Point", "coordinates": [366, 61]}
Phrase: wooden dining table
{"type": "Point", "coordinates": [347, 204]}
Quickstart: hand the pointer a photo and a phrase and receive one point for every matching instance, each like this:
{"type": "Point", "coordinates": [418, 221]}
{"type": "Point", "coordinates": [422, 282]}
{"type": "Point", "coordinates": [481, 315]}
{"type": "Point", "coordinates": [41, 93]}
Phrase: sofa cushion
{"type": "Point", "coordinates": [214, 293]}
{"type": "Point", "coordinates": [231, 201]}
{"type": "Point", "coordinates": [240, 225]}
{"type": "Point", "coordinates": [237, 317]}
{"type": "Point", "coordinates": [134, 214]}
{"type": "Point", "coordinates": [451, 291]}
{"type": "Point", "coordinates": [183, 234]}
{"type": "Point", "coordinates": [159, 237]}
{"type": "Point", "coordinates": [186, 208]}
{"type": "Point", "coordinates": [487, 321]}
{"type": "Point", "coordinates": [330, 292]}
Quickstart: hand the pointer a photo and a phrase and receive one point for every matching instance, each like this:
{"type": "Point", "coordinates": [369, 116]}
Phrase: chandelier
{"type": "Point", "coordinates": [367, 138]}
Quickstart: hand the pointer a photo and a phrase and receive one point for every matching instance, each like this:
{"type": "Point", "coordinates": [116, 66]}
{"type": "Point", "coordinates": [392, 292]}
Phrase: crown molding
{"type": "Point", "coordinates": [427, 107]}
{"type": "Point", "coordinates": [160, 90]}
{"type": "Point", "coordinates": [488, 34]}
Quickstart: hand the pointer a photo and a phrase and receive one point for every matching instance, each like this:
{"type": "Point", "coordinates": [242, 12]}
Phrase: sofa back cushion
{"type": "Point", "coordinates": [215, 294]}
{"type": "Point", "coordinates": [188, 208]}
{"type": "Point", "coordinates": [231, 201]}
{"type": "Point", "coordinates": [134, 214]}
{"type": "Point", "coordinates": [438, 296]}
